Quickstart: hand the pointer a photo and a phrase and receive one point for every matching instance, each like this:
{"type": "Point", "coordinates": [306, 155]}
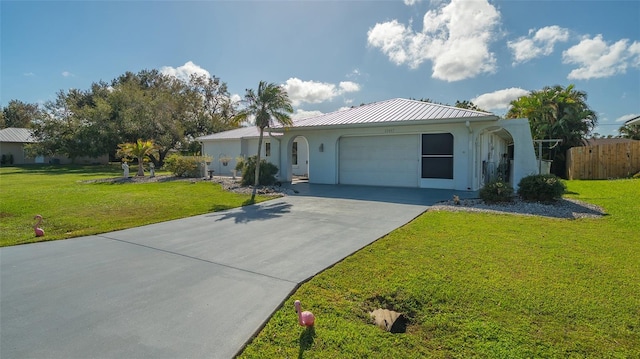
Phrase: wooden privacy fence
{"type": "Point", "coordinates": [604, 161]}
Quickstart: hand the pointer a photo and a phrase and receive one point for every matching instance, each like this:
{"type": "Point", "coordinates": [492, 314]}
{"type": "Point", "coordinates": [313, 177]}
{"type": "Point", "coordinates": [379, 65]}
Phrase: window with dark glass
{"type": "Point", "coordinates": [267, 149]}
{"type": "Point", "coordinates": [437, 155]}
{"type": "Point", "coordinates": [294, 153]}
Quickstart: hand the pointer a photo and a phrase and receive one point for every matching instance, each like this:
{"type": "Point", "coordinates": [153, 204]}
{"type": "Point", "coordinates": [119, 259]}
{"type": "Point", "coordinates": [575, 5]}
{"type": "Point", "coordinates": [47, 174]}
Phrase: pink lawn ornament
{"type": "Point", "coordinates": [39, 231]}
{"type": "Point", "coordinates": [305, 318]}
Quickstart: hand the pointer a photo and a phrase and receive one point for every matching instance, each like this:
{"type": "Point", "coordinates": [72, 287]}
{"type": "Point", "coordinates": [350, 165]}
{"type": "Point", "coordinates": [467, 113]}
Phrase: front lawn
{"type": "Point", "coordinates": [480, 285]}
{"type": "Point", "coordinates": [72, 206]}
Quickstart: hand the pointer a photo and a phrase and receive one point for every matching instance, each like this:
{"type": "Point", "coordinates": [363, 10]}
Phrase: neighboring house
{"type": "Point", "coordinates": [398, 143]}
{"type": "Point", "coordinates": [12, 150]}
{"type": "Point", "coordinates": [633, 121]}
{"type": "Point", "coordinates": [12, 143]}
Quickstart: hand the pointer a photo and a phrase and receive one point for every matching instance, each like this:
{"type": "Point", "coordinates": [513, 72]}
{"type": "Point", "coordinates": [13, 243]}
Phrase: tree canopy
{"type": "Point", "coordinates": [556, 113]}
{"type": "Point", "coordinates": [630, 131]}
{"type": "Point", "coordinates": [18, 114]}
{"type": "Point", "coordinates": [148, 104]}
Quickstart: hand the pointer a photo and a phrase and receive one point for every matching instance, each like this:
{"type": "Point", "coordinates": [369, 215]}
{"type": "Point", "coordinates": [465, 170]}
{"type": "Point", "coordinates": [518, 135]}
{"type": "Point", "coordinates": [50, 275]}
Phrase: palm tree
{"type": "Point", "coordinates": [556, 113]}
{"type": "Point", "coordinates": [630, 131]}
{"type": "Point", "coordinates": [139, 150]}
{"type": "Point", "coordinates": [269, 105]}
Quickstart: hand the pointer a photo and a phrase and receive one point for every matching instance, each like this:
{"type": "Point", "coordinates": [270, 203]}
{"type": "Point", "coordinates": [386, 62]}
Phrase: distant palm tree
{"type": "Point", "coordinates": [556, 113]}
{"type": "Point", "coordinates": [630, 131]}
{"type": "Point", "coordinates": [269, 105]}
{"type": "Point", "coordinates": [139, 150]}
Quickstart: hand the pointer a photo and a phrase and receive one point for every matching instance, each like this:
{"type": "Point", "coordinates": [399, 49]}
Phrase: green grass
{"type": "Point", "coordinates": [478, 285]}
{"type": "Point", "coordinates": [71, 207]}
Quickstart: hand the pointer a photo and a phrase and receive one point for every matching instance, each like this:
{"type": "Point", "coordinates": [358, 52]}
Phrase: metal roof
{"type": "Point", "coordinates": [397, 110]}
{"type": "Point", "coordinates": [394, 110]}
{"type": "Point", "coordinates": [17, 135]}
{"type": "Point", "coordinates": [635, 120]}
{"type": "Point", "coordinates": [242, 132]}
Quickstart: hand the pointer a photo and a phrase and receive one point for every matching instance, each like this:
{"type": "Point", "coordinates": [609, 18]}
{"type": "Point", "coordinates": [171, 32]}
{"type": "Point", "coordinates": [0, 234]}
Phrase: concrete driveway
{"type": "Point", "coordinates": [190, 288]}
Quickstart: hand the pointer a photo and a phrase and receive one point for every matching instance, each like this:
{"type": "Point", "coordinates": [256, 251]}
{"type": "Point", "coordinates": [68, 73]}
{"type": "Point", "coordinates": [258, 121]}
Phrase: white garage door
{"type": "Point", "coordinates": [380, 160]}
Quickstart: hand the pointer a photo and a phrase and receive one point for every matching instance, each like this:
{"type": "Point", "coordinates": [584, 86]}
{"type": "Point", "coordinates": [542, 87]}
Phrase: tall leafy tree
{"type": "Point", "coordinates": [268, 106]}
{"type": "Point", "coordinates": [556, 113]}
{"type": "Point", "coordinates": [59, 129]}
{"type": "Point", "coordinates": [19, 114]}
{"type": "Point", "coordinates": [147, 104]}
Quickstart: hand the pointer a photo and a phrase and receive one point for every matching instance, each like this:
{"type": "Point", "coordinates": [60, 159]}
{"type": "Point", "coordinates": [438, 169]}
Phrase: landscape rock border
{"type": "Point", "coordinates": [564, 208]}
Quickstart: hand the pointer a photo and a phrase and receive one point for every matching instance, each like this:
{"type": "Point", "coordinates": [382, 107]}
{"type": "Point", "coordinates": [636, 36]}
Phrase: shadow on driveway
{"type": "Point", "coordinates": [250, 213]}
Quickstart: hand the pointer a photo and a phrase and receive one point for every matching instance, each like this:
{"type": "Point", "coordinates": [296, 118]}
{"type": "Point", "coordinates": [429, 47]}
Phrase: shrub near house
{"type": "Point", "coordinates": [496, 191]}
{"type": "Point", "coordinates": [541, 188]}
{"type": "Point", "coordinates": [267, 172]}
{"type": "Point", "coordinates": [185, 166]}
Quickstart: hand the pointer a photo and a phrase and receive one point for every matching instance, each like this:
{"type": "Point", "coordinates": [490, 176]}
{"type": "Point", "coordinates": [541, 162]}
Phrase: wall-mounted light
{"type": "Point", "coordinates": [321, 148]}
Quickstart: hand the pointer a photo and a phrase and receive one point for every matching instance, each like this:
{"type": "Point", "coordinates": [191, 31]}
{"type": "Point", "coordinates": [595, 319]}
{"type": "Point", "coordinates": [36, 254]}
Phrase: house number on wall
{"type": "Point", "coordinates": [388, 130]}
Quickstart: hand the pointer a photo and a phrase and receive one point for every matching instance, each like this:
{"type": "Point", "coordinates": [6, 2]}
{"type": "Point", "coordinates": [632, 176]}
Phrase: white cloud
{"type": "Point", "coordinates": [596, 59]}
{"type": "Point", "coordinates": [499, 99]}
{"type": "Point", "coordinates": [315, 92]}
{"type": "Point", "coordinates": [354, 74]}
{"type": "Point", "coordinates": [626, 118]}
{"type": "Point", "coordinates": [67, 74]}
{"type": "Point", "coordinates": [349, 86]}
{"type": "Point", "coordinates": [235, 98]}
{"type": "Point", "coordinates": [300, 114]}
{"type": "Point", "coordinates": [410, 2]}
{"type": "Point", "coordinates": [31, 74]}
{"type": "Point", "coordinates": [540, 44]}
{"type": "Point", "coordinates": [185, 71]}
{"type": "Point", "coordinates": [634, 52]}
{"type": "Point", "coordinates": [455, 38]}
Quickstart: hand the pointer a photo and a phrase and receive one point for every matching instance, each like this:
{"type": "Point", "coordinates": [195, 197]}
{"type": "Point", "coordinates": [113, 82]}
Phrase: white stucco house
{"type": "Point", "coordinates": [398, 143]}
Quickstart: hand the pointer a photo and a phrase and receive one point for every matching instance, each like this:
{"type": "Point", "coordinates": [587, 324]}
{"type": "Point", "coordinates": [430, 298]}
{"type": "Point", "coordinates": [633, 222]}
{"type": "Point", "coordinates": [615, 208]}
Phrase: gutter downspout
{"type": "Point", "coordinates": [279, 152]}
{"type": "Point", "coordinates": [470, 156]}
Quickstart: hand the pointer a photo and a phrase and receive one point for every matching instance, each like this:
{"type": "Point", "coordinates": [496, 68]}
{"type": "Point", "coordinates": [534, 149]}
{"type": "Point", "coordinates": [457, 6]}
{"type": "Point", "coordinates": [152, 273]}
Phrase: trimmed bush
{"type": "Point", "coordinates": [185, 166]}
{"type": "Point", "coordinates": [541, 188]}
{"type": "Point", "coordinates": [267, 172]}
{"type": "Point", "coordinates": [496, 191]}
{"type": "Point", "coordinates": [239, 164]}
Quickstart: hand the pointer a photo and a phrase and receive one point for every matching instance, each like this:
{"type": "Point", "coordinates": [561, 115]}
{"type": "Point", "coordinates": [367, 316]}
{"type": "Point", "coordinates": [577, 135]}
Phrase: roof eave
{"type": "Point", "coordinates": [633, 121]}
{"type": "Point", "coordinates": [388, 124]}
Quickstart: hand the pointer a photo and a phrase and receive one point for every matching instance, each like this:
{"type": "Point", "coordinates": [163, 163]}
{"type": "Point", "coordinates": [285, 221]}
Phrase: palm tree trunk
{"type": "Point", "coordinates": [140, 167]}
{"type": "Point", "coordinates": [257, 173]}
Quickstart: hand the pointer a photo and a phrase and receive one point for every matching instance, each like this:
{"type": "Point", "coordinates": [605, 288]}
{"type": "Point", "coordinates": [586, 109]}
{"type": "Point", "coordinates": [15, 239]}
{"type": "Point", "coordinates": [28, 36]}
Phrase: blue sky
{"type": "Point", "coordinates": [335, 54]}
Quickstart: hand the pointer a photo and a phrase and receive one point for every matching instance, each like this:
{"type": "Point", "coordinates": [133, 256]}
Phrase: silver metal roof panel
{"type": "Point", "coordinates": [17, 135]}
{"type": "Point", "coordinates": [394, 110]}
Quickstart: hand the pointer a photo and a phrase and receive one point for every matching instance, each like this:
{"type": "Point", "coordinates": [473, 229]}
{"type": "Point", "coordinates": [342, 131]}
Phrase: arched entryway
{"type": "Point", "coordinates": [298, 158]}
{"type": "Point", "coordinates": [494, 155]}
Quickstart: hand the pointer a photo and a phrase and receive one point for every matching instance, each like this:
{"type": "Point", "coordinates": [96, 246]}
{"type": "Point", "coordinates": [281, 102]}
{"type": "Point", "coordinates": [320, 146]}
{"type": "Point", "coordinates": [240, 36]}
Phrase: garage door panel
{"type": "Point", "coordinates": [379, 160]}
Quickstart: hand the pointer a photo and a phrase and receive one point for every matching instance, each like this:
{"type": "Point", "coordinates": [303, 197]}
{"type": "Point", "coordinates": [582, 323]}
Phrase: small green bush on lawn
{"type": "Point", "coordinates": [541, 188]}
{"type": "Point", "coordinates": [185, 166]}
{"type": "Point", "coordinates": [496, 191]}
{"type": "Point", "coordinates": [267, 172]}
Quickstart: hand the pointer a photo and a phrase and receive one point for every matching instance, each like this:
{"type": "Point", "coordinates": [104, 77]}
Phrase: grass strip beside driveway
{"type": "Point", "coordinates": [73, 206]}
{"type": "Point", "coordinates": [478, 285]}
